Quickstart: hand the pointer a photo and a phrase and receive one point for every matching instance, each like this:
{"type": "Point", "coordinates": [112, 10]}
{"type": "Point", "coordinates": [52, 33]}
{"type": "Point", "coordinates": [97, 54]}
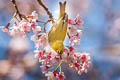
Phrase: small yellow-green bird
{"type": "Point", "coordinates": [58, 31]}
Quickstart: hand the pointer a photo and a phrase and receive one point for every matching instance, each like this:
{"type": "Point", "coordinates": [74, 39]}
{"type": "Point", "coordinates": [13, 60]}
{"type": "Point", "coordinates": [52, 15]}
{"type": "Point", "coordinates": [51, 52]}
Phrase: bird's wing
{"type": "Point", "coordinates": [58, 31]}
{"type": "Point", "coordinates": [54, 32]}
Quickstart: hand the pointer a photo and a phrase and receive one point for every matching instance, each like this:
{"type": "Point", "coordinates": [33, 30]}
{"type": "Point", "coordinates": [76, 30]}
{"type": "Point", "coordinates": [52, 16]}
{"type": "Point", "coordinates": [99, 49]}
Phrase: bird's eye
{"type": "Point", "coordinates": [58, 51]}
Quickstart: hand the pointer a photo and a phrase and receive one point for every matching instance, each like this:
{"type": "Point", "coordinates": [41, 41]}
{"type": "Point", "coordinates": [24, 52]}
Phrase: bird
{"type": "Point", "coordinates": [57, 33]}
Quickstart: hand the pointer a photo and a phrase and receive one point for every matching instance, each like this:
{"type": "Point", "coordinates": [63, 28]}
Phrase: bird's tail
{"type": "Point", "coordinates": [62, 9]}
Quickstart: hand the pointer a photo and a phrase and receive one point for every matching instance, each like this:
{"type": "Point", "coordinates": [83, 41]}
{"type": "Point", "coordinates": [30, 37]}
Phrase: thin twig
{"type": "Point", "coordinates": [40, 21]}
{"type": "Point", "coordinates": [16, 8]}
{"type": "Point", "coordinates": [46, 9]}
{"type": "Point", "coordinates": [59, 65]}
{"type": "Point", "coordinates": [60, 69]}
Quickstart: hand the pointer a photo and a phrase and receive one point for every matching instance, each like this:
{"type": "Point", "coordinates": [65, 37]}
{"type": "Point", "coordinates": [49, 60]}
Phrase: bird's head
{"type": "Point", "coordinates": [58, 46]}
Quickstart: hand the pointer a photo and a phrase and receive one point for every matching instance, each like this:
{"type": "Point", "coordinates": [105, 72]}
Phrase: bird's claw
{"type": "Point", "coordinates": [65, 18]}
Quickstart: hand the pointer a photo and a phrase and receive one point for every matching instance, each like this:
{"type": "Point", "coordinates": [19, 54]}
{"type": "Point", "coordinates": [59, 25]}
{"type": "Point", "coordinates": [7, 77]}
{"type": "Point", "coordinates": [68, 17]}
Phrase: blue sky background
{"type": "Point", "coordinates": [106, 66]}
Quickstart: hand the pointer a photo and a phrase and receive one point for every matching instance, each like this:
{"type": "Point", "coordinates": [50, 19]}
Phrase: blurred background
{"type": "Point", "coordinates": [101, 38]}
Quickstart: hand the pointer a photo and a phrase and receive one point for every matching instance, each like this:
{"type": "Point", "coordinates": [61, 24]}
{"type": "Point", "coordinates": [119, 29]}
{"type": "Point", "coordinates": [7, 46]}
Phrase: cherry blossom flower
{"type": "Point", "coordinates": [45, 68]}
{"type": "Point", "coordinates": [74, 35]}
{"type": "Point", "coordinates": [24, 26]}
{"type": "Point", "coordinates": [81, 62]}
{"type": "Point", "coordinates": [56, 58]}
{"type": "Point", "coordinates": [39, 54]}
{"type": "Point", "coordinates": [5, 29]}
{"type": "Point", "coordinates": [54, 76]}
{"type": "Point", "coordinates": [51, 75]}
{"type": "Point", "coordinates": [76, 21]}
{"type": "Point", "coordinates": [70, 21]}
{"type": "Point", "coordinates": [37, 29]}
{"type": "Point", "coordinates": [35, 15]}
{"type": "Point", "coordinates": [42, 41]}
{"type": "Point", "coordinates": [34, 37]}
{"type": "Point", "coordinates": [20, 28]}
{"type": "Point", "coordinates": [61, 76]}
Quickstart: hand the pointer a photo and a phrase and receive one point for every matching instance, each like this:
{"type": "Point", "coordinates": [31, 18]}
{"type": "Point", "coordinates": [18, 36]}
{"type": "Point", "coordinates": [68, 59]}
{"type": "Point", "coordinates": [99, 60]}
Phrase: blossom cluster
{"type": "Point", "coordinates": [48, 58]}
{"type": "Point", "coordinates": [21, 27]}
{"type": "Point", "coordinates": [75, 32]}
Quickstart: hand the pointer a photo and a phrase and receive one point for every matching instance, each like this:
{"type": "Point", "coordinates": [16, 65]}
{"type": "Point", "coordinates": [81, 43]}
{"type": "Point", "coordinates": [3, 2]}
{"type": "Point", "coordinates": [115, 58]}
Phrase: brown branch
{"type": "Point", "coordinates": [16, 8]}
{"type": "Point", "coordinates": [46, 9]}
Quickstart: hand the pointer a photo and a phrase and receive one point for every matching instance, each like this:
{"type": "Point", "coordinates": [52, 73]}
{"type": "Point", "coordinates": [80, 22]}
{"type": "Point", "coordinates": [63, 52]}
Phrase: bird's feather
{"type": "Point", "coordinates": [58, 31]}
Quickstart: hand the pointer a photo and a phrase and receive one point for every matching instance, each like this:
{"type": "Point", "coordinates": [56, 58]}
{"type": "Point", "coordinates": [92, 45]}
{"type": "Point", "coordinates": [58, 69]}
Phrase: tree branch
{"type": "Point", "coordinates": [16, 8]}
{"type": "Point", "coordinates": [46, 9]}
